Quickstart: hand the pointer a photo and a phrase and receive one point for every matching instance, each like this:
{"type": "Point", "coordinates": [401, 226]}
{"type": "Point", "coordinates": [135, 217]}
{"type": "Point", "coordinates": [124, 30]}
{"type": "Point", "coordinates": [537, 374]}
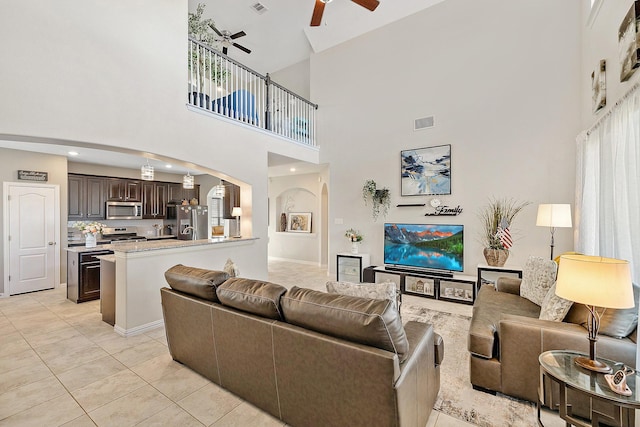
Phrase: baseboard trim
{"type": "Point", "coordinates": [297, 261]}
{"type": "Point", "coordinates": [138, 329]}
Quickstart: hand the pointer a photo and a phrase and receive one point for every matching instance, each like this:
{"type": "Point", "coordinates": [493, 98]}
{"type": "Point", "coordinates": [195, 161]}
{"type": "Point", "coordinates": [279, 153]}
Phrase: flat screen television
{"type": "Point", "coordinates": [433, 247]}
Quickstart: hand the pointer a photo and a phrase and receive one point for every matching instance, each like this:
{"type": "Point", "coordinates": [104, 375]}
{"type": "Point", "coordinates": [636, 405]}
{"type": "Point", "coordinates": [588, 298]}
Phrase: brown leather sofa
{"type": "Point", "coordinates": [306, 357]}
{"type": "Point", "coordinates": [506, 337]}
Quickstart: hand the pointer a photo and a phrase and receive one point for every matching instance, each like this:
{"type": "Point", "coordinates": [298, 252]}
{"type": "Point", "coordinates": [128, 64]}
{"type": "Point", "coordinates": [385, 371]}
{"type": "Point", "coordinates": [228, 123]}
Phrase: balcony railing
{"type": "Point", "coordinates": [223, 86]}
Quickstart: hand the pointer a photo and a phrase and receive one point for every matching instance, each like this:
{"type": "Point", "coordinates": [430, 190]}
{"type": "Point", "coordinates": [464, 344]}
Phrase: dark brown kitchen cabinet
{"type": "Point", "coordinates": [176, 194]}
{"type": "Point", "coordinates": [85, 197]}
{"type": "Point", "coordinates": [83, 275]}
{"type": "Point", "coordinates": [154, 200]}
{"type": "Point", "coordinates": [123, 190]}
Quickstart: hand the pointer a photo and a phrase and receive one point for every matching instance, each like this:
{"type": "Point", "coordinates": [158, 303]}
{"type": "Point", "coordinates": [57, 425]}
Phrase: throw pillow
{"type": "Point", "coordinates": [538, 275]}
{"type": "Point", "coordinates": [231, 268]}
{"type": "Point", "coordinates": [553, 307]}
{"type": "Point", "coordinates": [617, 323]}
{"type": "Point", "coordinates": [386, 290]}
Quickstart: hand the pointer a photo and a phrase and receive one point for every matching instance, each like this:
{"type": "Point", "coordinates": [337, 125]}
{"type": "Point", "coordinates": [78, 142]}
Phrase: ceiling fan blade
{"type": "Point", "coordinates": [242, 48]}
{"type": "Point", "coordinates": [369, 4]}
{"type": "Point", "coordinates": [316, 17]}
{"type": "Point", "coordinates": [216, 30]}
{"type": "Point", "coordinates": [225, 50]}
{"type": "Point", "coordinates": [238, 35]}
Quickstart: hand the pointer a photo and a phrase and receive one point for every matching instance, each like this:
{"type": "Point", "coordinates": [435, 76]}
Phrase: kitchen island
{"type": "Point", "coordinates": [140, 266]}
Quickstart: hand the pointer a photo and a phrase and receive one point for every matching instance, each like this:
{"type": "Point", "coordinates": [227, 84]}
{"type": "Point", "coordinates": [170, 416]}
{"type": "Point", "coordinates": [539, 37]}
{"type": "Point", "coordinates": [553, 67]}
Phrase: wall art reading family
{"type": "Point", "coordinates": [426, 171]}
{"type": "Point", "coordinates": [599, 86]}
{"type": "Point", "coordinates": [628, 43]}
{"type": "Point", "coordinates": [299, 222]}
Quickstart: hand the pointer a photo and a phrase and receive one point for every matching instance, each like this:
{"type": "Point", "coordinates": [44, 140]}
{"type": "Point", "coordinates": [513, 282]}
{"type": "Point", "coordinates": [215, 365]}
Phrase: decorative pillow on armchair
{"type": "Point", "coordinates": [553, 307]}
{"type": "Point", "coordinates": [538, 276]}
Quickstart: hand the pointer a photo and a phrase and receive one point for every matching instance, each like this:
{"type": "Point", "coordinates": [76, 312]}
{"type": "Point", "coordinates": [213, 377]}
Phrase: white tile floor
{"type": "Point", "coordinates": [60, 365]}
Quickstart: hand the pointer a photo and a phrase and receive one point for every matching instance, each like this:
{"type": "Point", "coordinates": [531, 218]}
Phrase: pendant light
{"type": "Point", "coordinates": [187, 181]}
{"type": "Point", "coordinates": [146, 172]}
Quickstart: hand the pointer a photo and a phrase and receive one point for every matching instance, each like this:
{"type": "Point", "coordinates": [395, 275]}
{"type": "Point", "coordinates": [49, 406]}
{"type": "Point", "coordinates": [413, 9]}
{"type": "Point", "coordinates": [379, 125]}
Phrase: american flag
{"type": "Point", "coordinates": [504, 234]}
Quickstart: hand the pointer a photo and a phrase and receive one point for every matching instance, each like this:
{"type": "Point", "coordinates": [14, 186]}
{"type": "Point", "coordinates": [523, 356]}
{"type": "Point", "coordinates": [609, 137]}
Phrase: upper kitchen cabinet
{"type": "Point", "coordinates": [86, 197]}
{"type": "Point", "coordinates": [123, 190]}
{"type": "Point", "coordinates": [154, 200]}
{"type": "Point", "coordinates": [177, 194]}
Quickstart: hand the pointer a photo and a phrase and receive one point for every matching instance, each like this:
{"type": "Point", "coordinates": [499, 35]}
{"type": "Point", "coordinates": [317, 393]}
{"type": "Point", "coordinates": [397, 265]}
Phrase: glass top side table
{"type": "Point", "coordinates": [560, 368]}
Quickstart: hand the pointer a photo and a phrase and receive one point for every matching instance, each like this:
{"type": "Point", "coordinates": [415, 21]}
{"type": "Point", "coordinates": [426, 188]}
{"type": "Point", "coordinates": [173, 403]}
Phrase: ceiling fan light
{"type": "Point", "coordinates": [326, 1]}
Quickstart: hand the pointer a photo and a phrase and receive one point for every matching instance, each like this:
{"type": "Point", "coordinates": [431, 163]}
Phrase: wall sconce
{"type": "Point", "coordinates": [146, 172]}
{"type": "Point", "coordinates": [558, 215]}
{"type": "Point", "coordinates": [237, 212]}
{"type": "Point", "coordinates": [188, 181]}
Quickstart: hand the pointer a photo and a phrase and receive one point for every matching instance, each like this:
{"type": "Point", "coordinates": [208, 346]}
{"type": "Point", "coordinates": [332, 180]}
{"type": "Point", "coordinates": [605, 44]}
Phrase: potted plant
{"type": "Point", "coordinates": [201, 64]}
{"type": "Point", "coordinates": [380, 198]}
{"type": "Point", "coordinates": [354, 237]}
{"type": "Point", "coordinates": [497, 218]}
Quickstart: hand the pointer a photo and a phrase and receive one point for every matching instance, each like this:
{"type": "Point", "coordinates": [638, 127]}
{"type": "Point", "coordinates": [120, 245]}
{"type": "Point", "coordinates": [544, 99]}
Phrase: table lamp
{"type": "Point", "coordinates": [552, 216]}
{"type": "Point", "coordinates": [237, 212]}
{"type": "Point", "coordinates": [596, 282]}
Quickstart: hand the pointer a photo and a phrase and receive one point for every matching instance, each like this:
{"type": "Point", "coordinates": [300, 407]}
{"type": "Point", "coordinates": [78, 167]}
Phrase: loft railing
{"type": "Point", "coordinates": [223, 86]}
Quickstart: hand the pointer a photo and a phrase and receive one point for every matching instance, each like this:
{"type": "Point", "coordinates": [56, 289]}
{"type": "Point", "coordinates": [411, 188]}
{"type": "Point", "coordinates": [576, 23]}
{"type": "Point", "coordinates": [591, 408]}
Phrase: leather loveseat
{"type": "Point", "coordinates": [306, 357]}
{"type": "Point", "coordinates": [506, 338]}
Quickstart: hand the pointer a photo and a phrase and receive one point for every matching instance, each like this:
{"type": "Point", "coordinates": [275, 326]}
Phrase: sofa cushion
{"type": "Point", "coordinates": [252, 296]}
{"type": "Point", "coordinates": [488, 309]}
{"type": "Point", "coordinates": [363, 320]}
{"type": "Point", "coordinates": [617, 323]}
{"type": "Point", "coordinates": [553, 307]}
{"type": "Point", "coordinates": [538, 275]}
{"type": "Point", "coordinates": [385, 290]}
{"type": "Point", "coordinates": [199, 282]}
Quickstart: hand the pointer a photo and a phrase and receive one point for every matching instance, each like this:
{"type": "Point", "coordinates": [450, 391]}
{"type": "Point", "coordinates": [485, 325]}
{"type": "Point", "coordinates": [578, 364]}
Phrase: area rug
{"type": "Point", "coordinates": [457, 397]}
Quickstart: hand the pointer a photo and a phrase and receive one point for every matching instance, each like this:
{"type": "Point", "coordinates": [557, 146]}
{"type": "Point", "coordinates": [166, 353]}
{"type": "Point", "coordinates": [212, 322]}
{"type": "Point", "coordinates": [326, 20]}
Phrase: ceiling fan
{"type": "Point", "coordinates": [227, 39]}
{"type": "Point", "coordinates": [316, 17]}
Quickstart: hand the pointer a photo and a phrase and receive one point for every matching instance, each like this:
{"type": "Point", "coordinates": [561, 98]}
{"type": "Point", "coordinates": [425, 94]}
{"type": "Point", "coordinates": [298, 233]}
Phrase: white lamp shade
{"type": "Point", "coordinates": [594, 280]}
{"type": "Point", "coordinates": [554, 215]}
{"type": "Point", "coordinates": [236, 211]}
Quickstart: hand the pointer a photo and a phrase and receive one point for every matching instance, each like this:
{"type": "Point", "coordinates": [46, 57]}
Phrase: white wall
{"type": "Point", "coordinates": [295, 78]}
{"type": "Point", "coordinates": [115, 74]}
{"type": "Point", "coordinates": [503, 82]}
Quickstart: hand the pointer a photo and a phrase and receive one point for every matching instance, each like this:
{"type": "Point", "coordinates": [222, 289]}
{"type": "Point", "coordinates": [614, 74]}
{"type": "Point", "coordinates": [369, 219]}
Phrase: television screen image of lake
{"type": "Point", "coordinates": [428, 246]}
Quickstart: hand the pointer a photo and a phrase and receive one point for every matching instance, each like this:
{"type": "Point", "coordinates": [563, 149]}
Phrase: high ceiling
{"type": "Point", "coordinates": [278, 38]}
{"type": "Point", "coordinates": [281, 36]}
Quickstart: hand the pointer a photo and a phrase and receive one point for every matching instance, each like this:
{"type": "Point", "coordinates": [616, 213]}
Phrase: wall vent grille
{"type": "Point", "coordinates": [259, 8]}
{"type": "Point", "coordinates": [423, 123]}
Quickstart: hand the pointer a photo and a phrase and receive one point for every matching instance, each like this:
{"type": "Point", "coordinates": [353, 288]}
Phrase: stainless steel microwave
{"type": "Point", "coordinates": [124, 210]}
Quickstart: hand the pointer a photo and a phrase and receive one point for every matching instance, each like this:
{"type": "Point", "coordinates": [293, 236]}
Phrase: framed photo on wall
{"type": "Point", "coordinates": [426, 171]}
{"type": "Point", "coordinates": [299, 222]}
{"type": "Point", "coordinates": [599, 86]}
{"type": "Point", "coordinates": [628, 43]}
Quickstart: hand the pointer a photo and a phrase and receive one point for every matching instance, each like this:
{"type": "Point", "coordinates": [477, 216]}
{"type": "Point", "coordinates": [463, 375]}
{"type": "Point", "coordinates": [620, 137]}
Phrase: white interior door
{"type": "Point", "coordinates": [32, 238]}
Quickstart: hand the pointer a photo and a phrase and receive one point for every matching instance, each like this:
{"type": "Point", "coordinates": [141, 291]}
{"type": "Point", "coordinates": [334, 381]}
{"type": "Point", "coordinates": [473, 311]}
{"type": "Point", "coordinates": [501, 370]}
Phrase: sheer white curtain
{"type": "Point", "coordinates": [608, 185]}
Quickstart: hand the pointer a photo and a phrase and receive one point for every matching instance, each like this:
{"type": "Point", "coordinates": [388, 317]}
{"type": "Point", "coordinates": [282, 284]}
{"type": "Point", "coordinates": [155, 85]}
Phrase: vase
{"type": "Point", "coordinates": [354, 247]}
{"type": "Point", "coordinates": [283, 221]}
{"type": "Point", "coordinates": [495, 257]}
{"type": "Point", "coordinates": [90, 240]}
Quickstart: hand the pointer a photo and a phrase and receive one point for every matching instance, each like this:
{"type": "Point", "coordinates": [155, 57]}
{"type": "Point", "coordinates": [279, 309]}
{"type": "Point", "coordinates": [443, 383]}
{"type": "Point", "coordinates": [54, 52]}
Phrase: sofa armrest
{"type": "Point", "coordinates": [419, 380]}
{"type": "Point", "coordinates": [523, 339]}
{"type": "Point", "coordinates": [508, 284]}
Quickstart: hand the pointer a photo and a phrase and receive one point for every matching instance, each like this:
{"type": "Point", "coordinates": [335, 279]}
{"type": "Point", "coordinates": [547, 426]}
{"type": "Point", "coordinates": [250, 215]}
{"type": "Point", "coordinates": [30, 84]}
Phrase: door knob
{"type": "Point", "coordinates": [52, 243]}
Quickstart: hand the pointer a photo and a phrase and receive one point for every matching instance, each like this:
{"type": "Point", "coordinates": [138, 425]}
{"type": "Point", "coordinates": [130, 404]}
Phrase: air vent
{"type": "Point", "coordinates": [259, 8]}
{"type": "Point", "coordinates": [423, 123]}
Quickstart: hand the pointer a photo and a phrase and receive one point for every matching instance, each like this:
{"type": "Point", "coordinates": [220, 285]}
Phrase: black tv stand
{"type": "Point", "coordinates": [439, 285]}
{"type": "Point", "coordinates": [426, 273]}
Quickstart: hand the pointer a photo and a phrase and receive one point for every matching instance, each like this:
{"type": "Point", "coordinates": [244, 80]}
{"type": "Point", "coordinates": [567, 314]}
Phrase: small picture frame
{"type": "Point", "coordinates": [299, 222]}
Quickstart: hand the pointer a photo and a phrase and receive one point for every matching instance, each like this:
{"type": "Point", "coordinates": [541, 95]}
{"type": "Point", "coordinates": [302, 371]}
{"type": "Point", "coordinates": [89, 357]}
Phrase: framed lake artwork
{"type": "Point", "coordinates": [426, 171]}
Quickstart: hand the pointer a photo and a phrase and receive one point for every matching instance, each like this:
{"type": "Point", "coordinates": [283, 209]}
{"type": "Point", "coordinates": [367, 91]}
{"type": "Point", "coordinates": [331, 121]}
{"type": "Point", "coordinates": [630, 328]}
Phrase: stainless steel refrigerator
{"type": "Point", "coordinates": [192, 222]}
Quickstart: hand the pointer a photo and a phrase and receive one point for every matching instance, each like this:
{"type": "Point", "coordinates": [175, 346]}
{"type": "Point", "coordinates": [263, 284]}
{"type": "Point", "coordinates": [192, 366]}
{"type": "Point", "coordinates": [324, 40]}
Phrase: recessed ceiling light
{"type": "Point", "coordinates": [292, 170]}
{"type": "Point", "coordinates": [73, 153]}
{"type": "Point", "coordinates": [168, 166]}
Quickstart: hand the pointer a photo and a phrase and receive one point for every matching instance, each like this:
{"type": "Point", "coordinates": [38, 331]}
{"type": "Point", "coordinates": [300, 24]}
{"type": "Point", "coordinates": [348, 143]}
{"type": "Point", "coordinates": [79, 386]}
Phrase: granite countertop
{"type": "Point", "coordinates": [108, 258]}
{"type": "Point", "coordinates": [141, 246]}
